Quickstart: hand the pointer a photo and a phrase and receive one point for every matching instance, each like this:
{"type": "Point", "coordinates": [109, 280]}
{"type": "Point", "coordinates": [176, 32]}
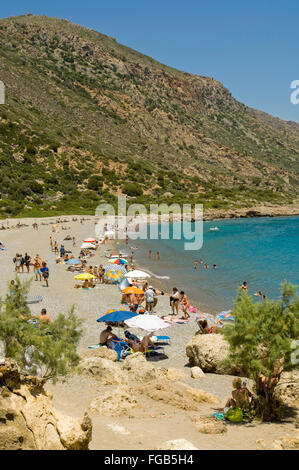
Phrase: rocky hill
{"type": "Point", "coordinates": [86, 119]}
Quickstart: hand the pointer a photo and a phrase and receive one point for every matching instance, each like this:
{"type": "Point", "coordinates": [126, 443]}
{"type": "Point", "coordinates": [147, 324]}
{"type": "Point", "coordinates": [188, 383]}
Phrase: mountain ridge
{"type": "Point", "coordinates": [72, 91]}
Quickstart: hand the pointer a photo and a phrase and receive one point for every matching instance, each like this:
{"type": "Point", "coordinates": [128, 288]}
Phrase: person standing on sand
{"type": "Point", "coordinates": [149, 299]}
{"type": "Point", "coordinates": [22, 262]}
{"type": "Point", "coordinates": [185, 304]}
{"type": "Point", "coordinates": [174, 301]}
{"type": "Point", "coordinates": [74, 242]}
{"type": "Point", "coordinates": [27, 260]}
{"type": "Point", "coordinates": [37, 264]}
{"type": "Point", "coordinates": [45, 272]}
{"type": "Point", "coordinates": [51, 243]}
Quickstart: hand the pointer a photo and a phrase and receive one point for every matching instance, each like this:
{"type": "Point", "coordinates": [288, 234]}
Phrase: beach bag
{"type": "Point", "coordinates": [235, 415]}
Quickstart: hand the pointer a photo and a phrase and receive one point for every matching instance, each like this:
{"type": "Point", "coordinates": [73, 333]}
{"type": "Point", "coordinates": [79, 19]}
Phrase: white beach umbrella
{"type": "Point", "coordinates": [136, 274]}
{"type": "Point", "coordinates": [109, 234]}
{"type": "Point", "coordinates": [149, 323]}
{"type": "Point", "coordinates": [88, 245]}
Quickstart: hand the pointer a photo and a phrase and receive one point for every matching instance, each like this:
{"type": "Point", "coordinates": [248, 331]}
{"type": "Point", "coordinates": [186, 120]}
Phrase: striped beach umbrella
{"type": "Point", "coordinates": [225, 316]}
{"type": "Point", "coordinates": [118, 261]}
{"type": "Point", "coordinates": [110, 266]}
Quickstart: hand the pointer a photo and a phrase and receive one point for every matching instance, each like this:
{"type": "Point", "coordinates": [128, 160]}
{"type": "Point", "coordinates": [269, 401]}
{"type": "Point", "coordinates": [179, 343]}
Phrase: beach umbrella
{"type": "Point", "coordinates": [136, 274]}
{"type": "Point", "coordinates": [145, 322]}
{"type": "Point", "coordinates": [115, 310]}
{"type": "Point", "coordinates": [118, 261]}
{"type": "Point", "coordinates": [123, 284]}
{"type": "Point", "coordinates": [88, 245]}
{"type": "Point", "coordinates": [204, 316]}
{"type": "Point", "coordinates": [84, 276]}
{"type": "Point", "coordinates": [73, 261]}
{"type": "Point", "coordinates": [114, 274]}
{"type": "Point", "coordinates": [109, 233]}
{"type": "Point", "coordinates": [207, 316]}
{"type": "Point", "coordinates": [225, 315]}
{"type": "Point", "coordinates": [90, 240]}
{"type": "Point", "coordinates": [211, 319]}
{"type": "Point", "coordinates": [117, 316]}
{"type": "Point", "coordinates": [112, 266]}
{"type": "Point", "coordinates": [132, 290]}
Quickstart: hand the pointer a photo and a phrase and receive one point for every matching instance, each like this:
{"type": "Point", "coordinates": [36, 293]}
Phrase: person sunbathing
{"type": "Point", "coordinates": [141, 346]}
{"type": "Point", "coordinates": [240, 396]}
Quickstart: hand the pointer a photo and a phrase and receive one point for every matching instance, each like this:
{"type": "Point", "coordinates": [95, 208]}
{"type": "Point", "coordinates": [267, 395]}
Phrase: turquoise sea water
{"type": "Point", "coordinates": [262, 251]}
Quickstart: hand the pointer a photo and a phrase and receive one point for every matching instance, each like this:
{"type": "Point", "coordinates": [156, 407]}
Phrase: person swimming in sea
{"type": "Point", "coordinates": [244, 286]}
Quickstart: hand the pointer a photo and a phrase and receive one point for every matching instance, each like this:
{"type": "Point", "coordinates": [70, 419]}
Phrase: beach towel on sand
{"type": "Point", "coordinates": [170, 319]}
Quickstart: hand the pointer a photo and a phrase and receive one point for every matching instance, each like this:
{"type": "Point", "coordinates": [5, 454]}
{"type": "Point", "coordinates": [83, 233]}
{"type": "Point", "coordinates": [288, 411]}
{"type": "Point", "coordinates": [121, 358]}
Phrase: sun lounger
{"type": "Point", "coordinates": [157, 338]}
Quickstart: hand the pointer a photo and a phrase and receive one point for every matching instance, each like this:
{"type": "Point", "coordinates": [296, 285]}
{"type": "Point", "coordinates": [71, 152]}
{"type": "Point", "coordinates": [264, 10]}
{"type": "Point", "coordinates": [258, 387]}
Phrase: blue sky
{"type": "Point", "coordinates": [251, 46]}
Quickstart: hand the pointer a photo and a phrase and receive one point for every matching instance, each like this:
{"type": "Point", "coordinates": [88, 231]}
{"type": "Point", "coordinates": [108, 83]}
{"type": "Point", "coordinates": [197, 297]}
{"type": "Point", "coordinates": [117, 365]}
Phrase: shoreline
{"type": "Point", "coordinates": [257, 211]}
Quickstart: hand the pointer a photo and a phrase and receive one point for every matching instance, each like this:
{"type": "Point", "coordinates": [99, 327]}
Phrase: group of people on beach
{"type": "Point", "coordinates": [39, 265]}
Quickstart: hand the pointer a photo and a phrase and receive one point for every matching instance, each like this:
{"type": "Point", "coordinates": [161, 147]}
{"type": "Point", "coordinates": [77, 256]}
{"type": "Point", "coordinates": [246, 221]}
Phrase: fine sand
{"type": "Point", "coordinates": [139, 431]}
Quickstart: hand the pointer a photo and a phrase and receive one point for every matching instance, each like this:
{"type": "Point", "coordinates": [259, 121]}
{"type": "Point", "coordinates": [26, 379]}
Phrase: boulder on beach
{"type": "Point", "coordinates": [117, 402]}
{"type": "Point", "coordinates": [287, 389]}
{"type": "Point", "coordinates": [177, 444]}
{"type": "Point", "coordinates": [209, 425]}
{"type": "Point", "coordinates": [103, 352]}
{"type": "Point", "coordinates": [104, 370]}
{"type": "Point", "coordinates": [28, 419]}
{"type": "Point", "coordinates": [196, 372]}
{"type": "Point", "coordinates": [207, 352]}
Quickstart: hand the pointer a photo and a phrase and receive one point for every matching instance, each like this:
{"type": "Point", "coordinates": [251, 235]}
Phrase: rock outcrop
{"type": "Point", "coordinates": [209, 425]}
{"type": "Point", "coordinates": [138, 380]}
{"type": "Point", "coordinates": [208, 352]}
{"type": "Point", "coordinates": [28, 419]}
{"type": "Point", "coordinates": [104, 370]}
{"type": "Point", "coordinates": [288, 388]}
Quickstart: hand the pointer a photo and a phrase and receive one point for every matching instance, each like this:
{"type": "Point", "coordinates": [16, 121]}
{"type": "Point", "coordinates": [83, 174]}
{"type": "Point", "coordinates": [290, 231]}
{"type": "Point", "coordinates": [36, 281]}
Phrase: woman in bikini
{"type": "Point", "coordinates": [185, 304]}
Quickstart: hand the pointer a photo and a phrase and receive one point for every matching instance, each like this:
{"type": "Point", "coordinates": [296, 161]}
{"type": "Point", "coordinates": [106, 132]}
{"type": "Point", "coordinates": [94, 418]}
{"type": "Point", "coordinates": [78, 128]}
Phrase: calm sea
{"type": "Point", "coordinates": [262, 251]}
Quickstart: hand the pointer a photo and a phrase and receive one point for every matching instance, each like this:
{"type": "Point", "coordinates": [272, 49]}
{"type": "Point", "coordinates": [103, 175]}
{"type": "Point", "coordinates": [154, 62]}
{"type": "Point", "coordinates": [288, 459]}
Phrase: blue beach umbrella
{"type": "Point", "coordinates": [117, 317]}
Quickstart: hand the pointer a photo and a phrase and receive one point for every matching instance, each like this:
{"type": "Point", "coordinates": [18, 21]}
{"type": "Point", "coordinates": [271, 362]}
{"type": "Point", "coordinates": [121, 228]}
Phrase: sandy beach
{"type": "Point", "coordinates": [161, 421]}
